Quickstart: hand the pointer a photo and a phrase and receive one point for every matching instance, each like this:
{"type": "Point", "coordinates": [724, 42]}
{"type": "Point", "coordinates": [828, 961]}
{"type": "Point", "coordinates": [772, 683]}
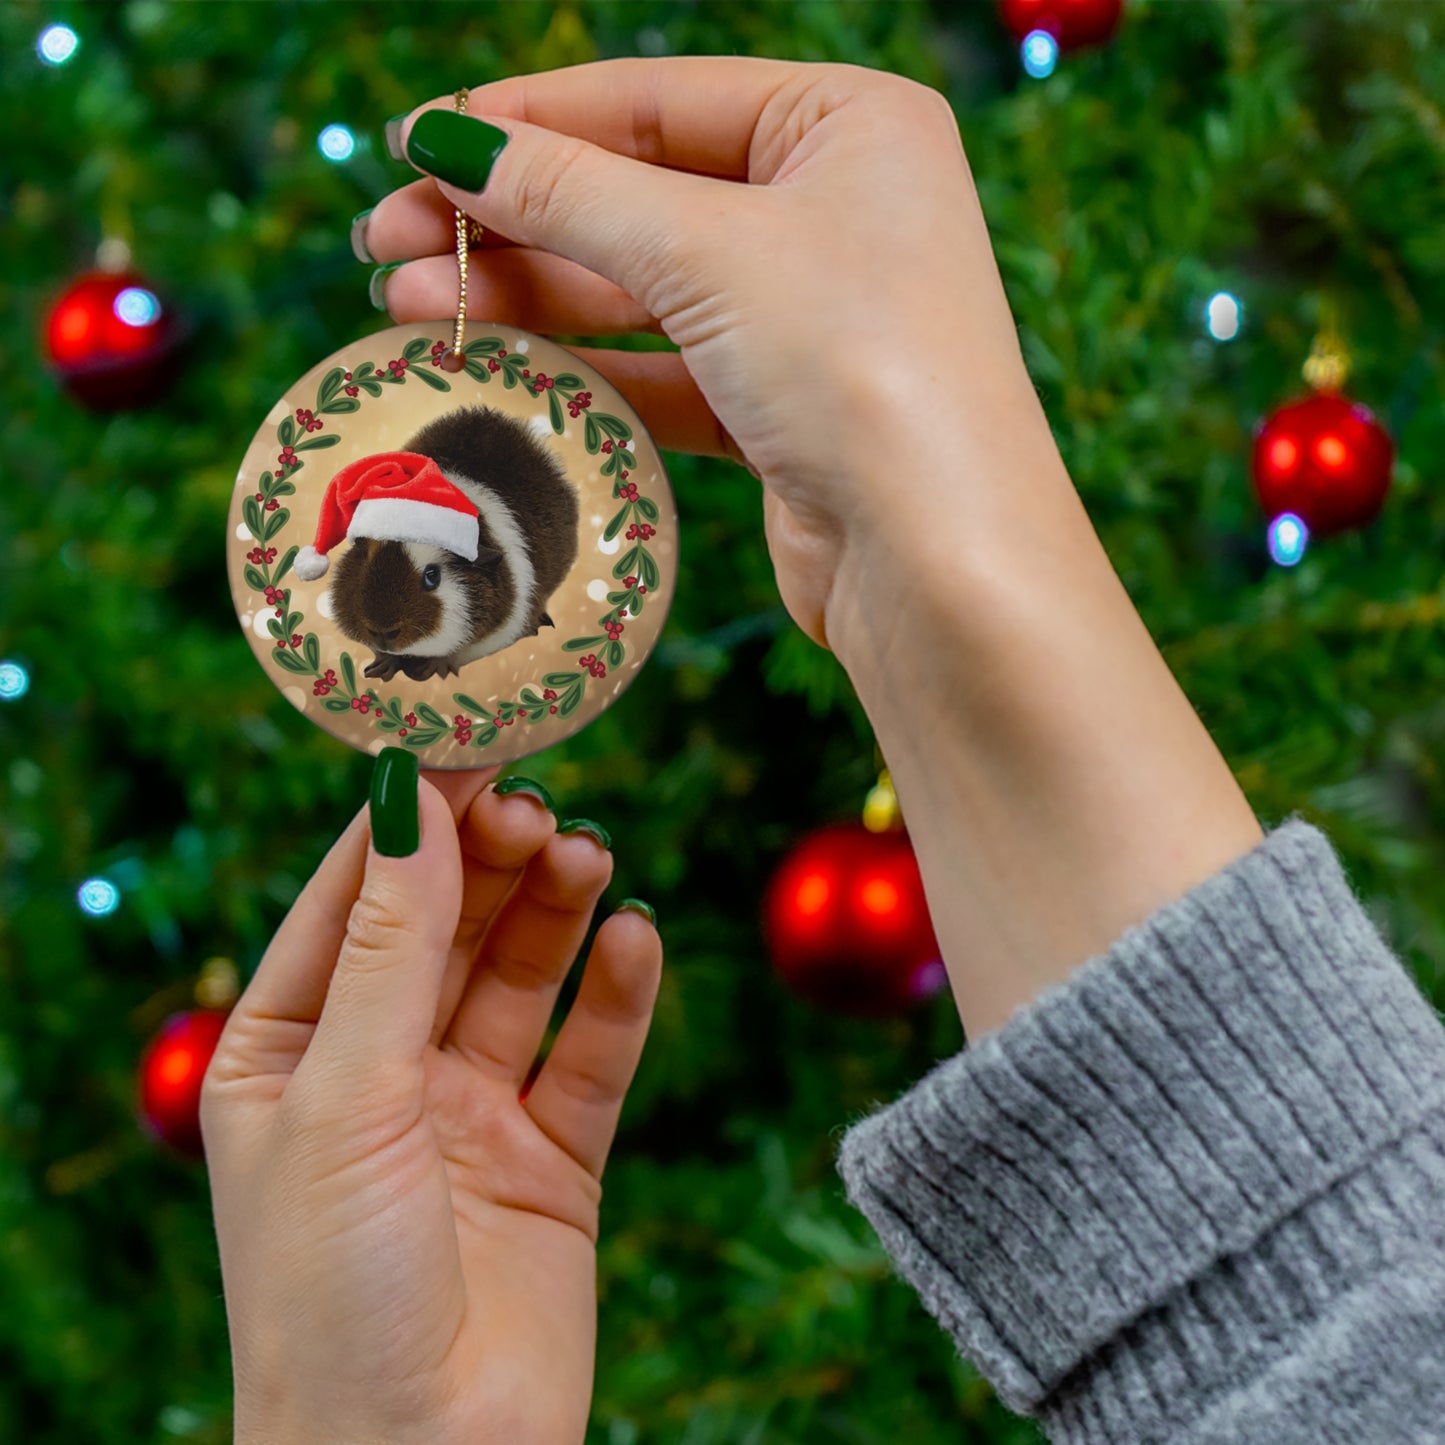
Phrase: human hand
{"type": "Point", "coordinates": [408, 1247]}
{"type": "Point", "coordinates": [841, 320]}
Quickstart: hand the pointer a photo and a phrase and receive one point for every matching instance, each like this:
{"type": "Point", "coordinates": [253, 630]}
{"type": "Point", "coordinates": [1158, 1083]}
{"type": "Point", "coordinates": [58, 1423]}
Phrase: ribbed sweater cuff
{"type": "Point", "coordinates": [1140, 1167]}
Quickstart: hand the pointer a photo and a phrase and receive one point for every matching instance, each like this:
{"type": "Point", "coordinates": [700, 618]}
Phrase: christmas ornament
{"type": "Point", "coordinates": [111, 341]}
{"type": "Point", "coordinates": [465, 545]}
{"type": "Point", "coordinates": [846, 920]}
{"type": "Point", "coordinates": [1073, 24]}
{"type": "Point", "coordinates": [1323, 458]}
{"type": "Point", "coordinates": [175, 1062]}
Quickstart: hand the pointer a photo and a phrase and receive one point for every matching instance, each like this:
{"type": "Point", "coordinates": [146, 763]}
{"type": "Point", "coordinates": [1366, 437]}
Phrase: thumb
{"type": "Point", "coordinates": [382, 999]}
{"type": "Point", "coordinates": [628, 221]}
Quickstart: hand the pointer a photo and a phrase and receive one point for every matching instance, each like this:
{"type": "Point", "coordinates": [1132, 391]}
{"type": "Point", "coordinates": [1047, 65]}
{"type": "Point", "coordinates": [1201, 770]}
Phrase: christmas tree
{"type": "Point", "coordinates": [1212, 161]}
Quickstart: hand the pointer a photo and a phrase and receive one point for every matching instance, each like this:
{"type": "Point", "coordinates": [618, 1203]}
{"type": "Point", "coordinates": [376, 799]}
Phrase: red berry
{"type": "Point", "coordinates": [401, 732]}
{"type": "Point", "coordinates": [521, 712]}
{"type": "Point", "coordinates": [553, 708]}
{"type": "Point", "coordinates": [260, 497]}
{"type": "Point", "coordinates": [525, 372]}
{"type": "Point", "coordinates": [493, 365]}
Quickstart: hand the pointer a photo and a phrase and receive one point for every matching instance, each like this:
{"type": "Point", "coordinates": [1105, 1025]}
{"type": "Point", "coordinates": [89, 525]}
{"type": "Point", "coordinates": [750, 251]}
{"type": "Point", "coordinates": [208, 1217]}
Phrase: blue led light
{"type": "Point", "coordinates": [1288, 538]}
{"type": "Point", "coordinates": [1223, 316]}
{"type": "Point", "coordinates": [137, 307]}
{"type": "Point", "coordinates": [14, 681]}
{"type": "Point", "coordinates": [57, 44]}
{"type": "Point", "coordinates": [98, 897]}
{"type": "Point", "coordinates": [336, 143]}
{"type": "Point", "coordinates": [1040, 52]}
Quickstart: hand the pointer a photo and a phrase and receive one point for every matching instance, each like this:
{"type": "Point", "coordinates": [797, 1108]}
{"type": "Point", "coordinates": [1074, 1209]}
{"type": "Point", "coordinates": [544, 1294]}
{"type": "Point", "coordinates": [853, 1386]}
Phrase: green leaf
{"type": "Point", "coordinates": [254, 580]}
{"type": "Point", "coordinates": [284, 565]}
{"type": "Point", "coordinates": [576, 644]}
{"type": "Point", "coordinates": [470, 704]}
{"type": "Point", "coordinates": [554, 410]}
{"type": "Point", "coordinates": [274, 522]}
{"type": "Point", "coordinates": [437, 383]}
{"type": "Point", "coordinates": [371, 388]}
{"type": "Point", "coordinates": [343, 404]}
{"type": "Point", "coordinates": [348, 672]}
{"type": "Point", "coordinates": [614, 426]}
{"type": "Point", "coordinates": [566, 706]}
{"type": "Point", "coordinates": [424, 737]}
{"type": "Point", "coordinates": [251, 515]}
{"type": "Point", "coordinates": [483, 346]}
{"type": "Point", "coordinates": [336, 704]}
{"type": "Point", "coordinates": [485, 735]}
{"type": "Point", "coordinates": [282, 489]}
{"type": "Point", "coordinates": [311, 649]}
{"type": "Point", "coordinates": [648, 573]}
{"type": "Point", "coordinates": [276, 630]}
{"type": "Point", "coordinates": [428, 714]}
{"type": "Point", "coordinates": [615, 654]}
{"type": "Point", "coordinates": [509, 377]}
{"type": "Point", "coordinates": [362, 371]}
{"type": "Point", "coordinates": [286, 432]}
{"type": "Point", "coordinates": [627, 562]}
{"type": "Point", "coordinates": [330, 385]}
{"type": "Point", "coordinates": [290, 661]}
{"type": "Point", "coordinates": [531, 699]}
{"type": "Point", "coordinates": [591, 437]}
{"type": "Point", "coordinates": [556, 680]}
{"type": "Point", "coordinates": [627, 459]}
{"type": "Point", "coordinates": [477, 371]}
{"type": "Point", "coordinates": [618, 522]}
{"type": "Point", "coordinates": [317, 442]}
{"type": "Point", "coordinates": [570, 381]}
{"type": "Point", "coordinates": [611, 464]}
{"type": "Point", "coordinates": [648, 508]}
{"type": "Point", "coordinates": [417, 346]}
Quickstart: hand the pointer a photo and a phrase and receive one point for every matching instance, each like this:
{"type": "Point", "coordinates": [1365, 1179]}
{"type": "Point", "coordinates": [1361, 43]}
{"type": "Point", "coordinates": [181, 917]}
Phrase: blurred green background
{"type": "Point", "coordinates": [1286, 153]}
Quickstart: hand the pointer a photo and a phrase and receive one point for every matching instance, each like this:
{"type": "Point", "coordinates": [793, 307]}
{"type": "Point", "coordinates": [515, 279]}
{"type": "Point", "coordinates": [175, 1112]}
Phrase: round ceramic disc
{"type": "Point", "coordinates": [318, 640]}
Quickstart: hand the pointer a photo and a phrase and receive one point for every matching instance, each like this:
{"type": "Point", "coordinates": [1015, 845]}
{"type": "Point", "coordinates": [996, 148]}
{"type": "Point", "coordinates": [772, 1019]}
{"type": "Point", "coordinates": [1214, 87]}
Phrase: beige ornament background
{"type": "Point", "coordinates": [384, 424]}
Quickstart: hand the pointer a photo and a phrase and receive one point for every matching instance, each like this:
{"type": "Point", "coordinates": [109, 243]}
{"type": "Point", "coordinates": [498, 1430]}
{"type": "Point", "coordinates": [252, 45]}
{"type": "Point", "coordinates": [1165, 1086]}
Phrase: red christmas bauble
{"type": "Point", "coordinates": [847, 923]}
{"type": "Point", "coordinates": [111, 341]}
{"type": "Point", "coordinates": [171, 1071]}
{"type": "Point", "coordinates": [1324, 458]}
{"type": "Point", "coordinates": [1073, 23]}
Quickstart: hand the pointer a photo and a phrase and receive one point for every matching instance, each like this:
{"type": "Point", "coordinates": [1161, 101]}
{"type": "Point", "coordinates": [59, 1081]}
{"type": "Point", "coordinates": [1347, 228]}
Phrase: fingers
{"type": "Point", "coordinates": [416, 220]}
{"type": "Point", "coordinates": [502, 1015]}
{"type": "Point", "coordinates": [499, 836]}
{"type": "Point", "coordinates": [460, 787]}
{"type": "Point", "coordinates": [517, 287]}
{"type": "Point", "coordinates": [382, 998]}
{"type": "Point", "coordinates": [578, 1095]}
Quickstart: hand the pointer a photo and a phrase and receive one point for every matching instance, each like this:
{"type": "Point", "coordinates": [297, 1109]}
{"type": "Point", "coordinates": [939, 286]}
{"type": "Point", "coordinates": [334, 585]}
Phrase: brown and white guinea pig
{"type": "Point", "coordinates": [426, 610]}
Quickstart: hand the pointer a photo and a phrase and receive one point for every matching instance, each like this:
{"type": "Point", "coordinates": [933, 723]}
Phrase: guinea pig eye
{"type": "Point", "coordinates": [431, 578]}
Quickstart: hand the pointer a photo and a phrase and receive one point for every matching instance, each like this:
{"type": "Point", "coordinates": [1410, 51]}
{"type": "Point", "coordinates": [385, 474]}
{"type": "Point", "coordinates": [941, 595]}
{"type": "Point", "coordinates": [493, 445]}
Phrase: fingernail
{"type": "Point", "coordinates": [455, 148]}
{"type": "Point", "coordinates": [586, 825]}
{"type": "Point", "coordinates": [395, 811]}
{"type": "Point", "coordinates": [393, 136]}
{"type": "Point", "coordinates": [636, 905]}
{"type": "Point", "coordinates": [359, 248]}
{"type": "Point", "coordinates": [376, 289]}
{"type": "Point", "coordinates": [508, 786]}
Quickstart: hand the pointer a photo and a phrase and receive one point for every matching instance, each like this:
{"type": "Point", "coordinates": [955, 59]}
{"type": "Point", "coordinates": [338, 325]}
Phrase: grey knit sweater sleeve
{"type": "Point", "coordinates": [1196, 1192]}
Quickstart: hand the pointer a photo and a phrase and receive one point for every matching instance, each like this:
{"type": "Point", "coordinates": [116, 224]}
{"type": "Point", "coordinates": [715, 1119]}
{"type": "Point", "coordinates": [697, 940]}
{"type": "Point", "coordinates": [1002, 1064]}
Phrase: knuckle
{"type": "Point", "coordinates": [542, 187]}
{"type": "Point", "coordinates": [374, 934]}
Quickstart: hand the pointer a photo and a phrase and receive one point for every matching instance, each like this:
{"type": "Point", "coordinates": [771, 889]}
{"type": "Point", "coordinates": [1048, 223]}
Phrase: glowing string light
{"type": "Point", "coordinates": [1040, 52]}
{"type": "Point", "coordinates": [1223, 316]}
{"type": "Point", "coordinates": [336, 143]}
{"type": "Point", "coordinates": [136, 306]}
{"type": "Point", "coordinates": [1288, 538]}
{"type": "Point", "coordinates": [57, 44]}
{"type": "Point", "coordinates": [98, 897]}
{"type": "Point", "coordinates": [14, 682]}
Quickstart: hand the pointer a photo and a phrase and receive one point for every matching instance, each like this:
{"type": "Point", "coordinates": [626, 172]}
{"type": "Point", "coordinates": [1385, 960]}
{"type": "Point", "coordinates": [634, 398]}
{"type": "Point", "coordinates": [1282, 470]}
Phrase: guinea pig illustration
{"type": "Point", "coordinates": [457, 543]}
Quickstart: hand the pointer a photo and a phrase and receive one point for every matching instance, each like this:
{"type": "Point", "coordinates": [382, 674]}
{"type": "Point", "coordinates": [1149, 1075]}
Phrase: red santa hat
{"type": "Point", "coordinates": [393, 497]}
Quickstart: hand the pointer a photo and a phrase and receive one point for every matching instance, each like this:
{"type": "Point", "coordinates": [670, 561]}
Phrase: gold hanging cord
{"type": "Point", "coordinates": [469, 233]}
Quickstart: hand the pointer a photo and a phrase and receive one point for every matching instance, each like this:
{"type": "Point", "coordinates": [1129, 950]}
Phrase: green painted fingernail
{"type": "Point", "coordinates": [586, 825]}
{"type": "Point", "coordinates": [377, 287]}
{"type": "Point", "coordinates": [392, 132]}
{"type": "Point", "coordinates": [455, 148]}
{"type": "Point", "coordinates": [395, 811]}
{"type": "Point", "coordinates": [512, 785]}
{"type": "Point", "coordinates": [359, 248]}
{"type": "Point", "coordinates": [636, 905]}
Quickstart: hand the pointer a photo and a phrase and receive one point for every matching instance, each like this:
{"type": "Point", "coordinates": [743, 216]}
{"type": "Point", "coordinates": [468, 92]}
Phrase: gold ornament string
{"type": "Point", "coordinates": [469, 233]}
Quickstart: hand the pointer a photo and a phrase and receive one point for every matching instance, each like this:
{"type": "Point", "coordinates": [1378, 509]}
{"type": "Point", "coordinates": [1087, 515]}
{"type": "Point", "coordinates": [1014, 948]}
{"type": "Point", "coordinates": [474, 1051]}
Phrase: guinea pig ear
{"type": "Point", "coordinates": [488, 556]}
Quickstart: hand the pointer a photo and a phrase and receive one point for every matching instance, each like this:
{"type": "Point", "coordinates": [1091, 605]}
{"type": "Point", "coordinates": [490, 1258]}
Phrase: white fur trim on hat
{"type": "Point", "coordinates": [310, 564]}
{"type": "Point", "coordinates": [399, 519]}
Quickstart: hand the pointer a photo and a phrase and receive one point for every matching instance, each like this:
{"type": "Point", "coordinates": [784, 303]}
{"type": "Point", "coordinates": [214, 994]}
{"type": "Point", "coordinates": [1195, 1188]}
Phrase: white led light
{"type": "Point", "coordinates": [137, 307]}
{"type": "Point", "coordinates": [14, 681]}
{"type": "Point", "coordinates": [1223, 316]}
{"type": "Point", "coordinates": [98, 897]}
{"type": "Point", "coordinates": [57, 44]}
{"type": "Point", "coordinates": [1288, 538]}
{"type": "Point", "coordinates": [1040, 52]}
{"type": "Point", "coordinates": [336, 143]}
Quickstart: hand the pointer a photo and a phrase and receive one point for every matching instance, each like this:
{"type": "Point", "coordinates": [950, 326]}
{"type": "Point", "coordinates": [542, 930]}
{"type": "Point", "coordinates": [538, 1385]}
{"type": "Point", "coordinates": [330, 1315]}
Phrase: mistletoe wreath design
{"type": "Point", "coordinates": [419, 725]}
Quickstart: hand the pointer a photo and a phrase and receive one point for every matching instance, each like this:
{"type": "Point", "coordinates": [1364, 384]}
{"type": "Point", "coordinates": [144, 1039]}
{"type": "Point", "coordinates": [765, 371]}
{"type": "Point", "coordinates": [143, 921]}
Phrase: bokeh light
{"type": "Point", "coordinates": [57, 44]}
{"type": "Point", "coordinates": [1288, 538]}
{"type": "Point", "coordinates": [336, 143]}
{"type": "Point", "coordinates": [98, 897]}
{"type": "Point", "coordinates": [1040, 52]}
{"type": "Point", "coordinates": [1223, 316]}
{"type": "Point", "coordinates": [137, 307]}
{"type": "Point", "coordinates": [14, 681]}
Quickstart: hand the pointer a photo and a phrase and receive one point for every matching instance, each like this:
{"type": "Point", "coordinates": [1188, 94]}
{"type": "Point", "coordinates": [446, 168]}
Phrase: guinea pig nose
{"type": "Point", "coordinates": [387, 638]}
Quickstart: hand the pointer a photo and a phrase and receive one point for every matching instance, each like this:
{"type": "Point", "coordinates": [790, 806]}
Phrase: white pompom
{"type": "Point", "coordinates": [310, 565]}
